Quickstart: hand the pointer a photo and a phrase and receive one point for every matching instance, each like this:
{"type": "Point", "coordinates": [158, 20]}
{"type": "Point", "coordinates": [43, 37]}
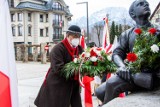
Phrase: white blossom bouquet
{"type": "Point", "coordinates": [146, 54]}
{"type": "Point", "coordinates": [93, 61]}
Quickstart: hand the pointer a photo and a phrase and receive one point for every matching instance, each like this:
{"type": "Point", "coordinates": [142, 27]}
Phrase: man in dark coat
{"type": "Point", "coordinates": [57, 91]}
{"type": "Point", "coordinates": [139, 12]}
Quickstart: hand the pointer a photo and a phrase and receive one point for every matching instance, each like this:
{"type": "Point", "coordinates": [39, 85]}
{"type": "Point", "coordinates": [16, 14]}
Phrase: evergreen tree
{"type": "Point", "coordinates": [120, 30]}
{"type": "Point", "coordinates": [112, 32]}
{"type": "Point", "coordinates": [116, 30]}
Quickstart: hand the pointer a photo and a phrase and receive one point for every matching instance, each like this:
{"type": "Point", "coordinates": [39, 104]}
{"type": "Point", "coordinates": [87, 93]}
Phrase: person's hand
{"type": "Point", "coordinates": [124, 73]}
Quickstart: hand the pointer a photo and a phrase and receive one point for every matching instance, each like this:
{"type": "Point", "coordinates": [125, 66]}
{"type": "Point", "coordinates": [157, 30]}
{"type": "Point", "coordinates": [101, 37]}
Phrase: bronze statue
{"type": "Point", "coordinates": [139, 12]}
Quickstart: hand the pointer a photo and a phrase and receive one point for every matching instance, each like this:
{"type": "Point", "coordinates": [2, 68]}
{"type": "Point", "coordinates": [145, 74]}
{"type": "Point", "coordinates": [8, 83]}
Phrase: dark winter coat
{"type": "Point", "coordinates": [59, 92]}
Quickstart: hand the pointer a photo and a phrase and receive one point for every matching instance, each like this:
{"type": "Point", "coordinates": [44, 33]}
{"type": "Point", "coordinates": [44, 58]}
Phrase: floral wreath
{"type": "Point", "coordinates": [94, 61]}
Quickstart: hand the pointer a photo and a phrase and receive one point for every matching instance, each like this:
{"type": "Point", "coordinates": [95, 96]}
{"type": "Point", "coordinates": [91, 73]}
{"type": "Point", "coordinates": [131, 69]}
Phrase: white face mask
{"type": "Point", "coordinates": [75, 42]}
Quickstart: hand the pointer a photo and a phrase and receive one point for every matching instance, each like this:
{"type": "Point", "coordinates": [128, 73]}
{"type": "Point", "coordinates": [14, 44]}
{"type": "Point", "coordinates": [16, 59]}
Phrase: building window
{"type": "Point", "coordinates": [46, 31]}
{"type": "Point", "coordinates": [12, 3]}
{"type": "Point", "coordinates": [46, 17]}
{"type": "Point", "coordinates": [19, 16]}
{"type": "Point", "coordinates": [13, 18]}
{"type": "Point", "coordinates": [29, 17]}
{"type": "Point", "coordinates": [30, 48]}
{"type": "Point", "coordinates": [41, 18]}
{"type": "Point", "coordinates": [57, 19]}
{"type": "Point", "coordinates": [41, 32]}
{"type": "Point", "coordinates": [57, 33]}
{"type": "Point", "coordinates": [57, 6]}
{"type": "Point", "coordinates": [29, 30]}
{"type": "Point", "coordinates": [19, 30]}
{"type": "Point", "coordinates": [13, 30]}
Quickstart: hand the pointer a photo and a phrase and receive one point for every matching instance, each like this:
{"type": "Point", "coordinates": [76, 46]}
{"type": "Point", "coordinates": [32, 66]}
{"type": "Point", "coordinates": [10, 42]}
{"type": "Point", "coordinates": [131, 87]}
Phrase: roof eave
{"type": "Point", "coordinates": [155, 11]}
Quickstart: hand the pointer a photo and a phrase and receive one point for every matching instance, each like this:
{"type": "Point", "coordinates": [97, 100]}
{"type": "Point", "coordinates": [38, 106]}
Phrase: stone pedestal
{"type": "Point", "coordinates": [139, 99]}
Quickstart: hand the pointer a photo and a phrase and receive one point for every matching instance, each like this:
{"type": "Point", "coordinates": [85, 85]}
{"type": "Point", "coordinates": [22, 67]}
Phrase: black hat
{"type": "Point", "coordinates": [74, 29]}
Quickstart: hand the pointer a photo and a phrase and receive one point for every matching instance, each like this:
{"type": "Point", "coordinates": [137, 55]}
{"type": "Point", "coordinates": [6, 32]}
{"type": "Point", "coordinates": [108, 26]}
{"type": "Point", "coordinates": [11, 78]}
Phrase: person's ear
{"type": "Point", "coordinates": [67, 35]}
{"type": "Point", "coordinates": [132, 14]}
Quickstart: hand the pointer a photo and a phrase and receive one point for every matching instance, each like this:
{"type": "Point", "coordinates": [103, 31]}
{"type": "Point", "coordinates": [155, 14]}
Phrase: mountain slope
{"type": "Point", "coordinates": [118, 14]}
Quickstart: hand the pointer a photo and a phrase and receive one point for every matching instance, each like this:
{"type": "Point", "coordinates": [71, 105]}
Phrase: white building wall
{"type": "Point", "coordinates": [35, 27]}
{"type": "Point", "coordinates": [50, 29]}
{"type": "Point", "coordinates": [25, 26]}
{"type": "Point", "coordinates": [65, 25]}
{"type": "Point", "coordinates": [42, 25]}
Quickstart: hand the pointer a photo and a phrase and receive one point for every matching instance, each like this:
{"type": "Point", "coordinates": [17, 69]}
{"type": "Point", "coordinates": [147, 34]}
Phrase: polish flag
{"type": "Point", "coordinates": [60, 23]}
{"type": "Point", "coordinates": [105, 40]}
{"type": "Point", "coordinates": [86, 80]}
{"type": "Point", "coordinates": [109, 48]}
{"type": "Point", "coordinates": [82, 40]}
{"type": "Point", "coordinates": [8, 77]}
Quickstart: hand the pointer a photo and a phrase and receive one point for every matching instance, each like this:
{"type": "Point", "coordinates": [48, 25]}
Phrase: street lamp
{"type": "Point", "coordinates": [87, 19]}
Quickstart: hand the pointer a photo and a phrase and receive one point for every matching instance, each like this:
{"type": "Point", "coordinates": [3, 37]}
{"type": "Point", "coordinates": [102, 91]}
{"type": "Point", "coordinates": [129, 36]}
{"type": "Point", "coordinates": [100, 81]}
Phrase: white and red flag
{"type": "Point", "coordinates": [60, 23]}
{"type": "Point", "coordinates": [105, 40]}
{"type": "Point", "coordinates": [82, 40]}
{"type": "Point", "coordinates": [86, 83]}
{"type": "Point", "coordinates": [8, 77]}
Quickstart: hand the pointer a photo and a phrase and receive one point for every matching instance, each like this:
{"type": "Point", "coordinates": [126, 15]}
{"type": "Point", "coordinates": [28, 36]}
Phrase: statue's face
{"type": "Point", "coordinates": [141, 8]}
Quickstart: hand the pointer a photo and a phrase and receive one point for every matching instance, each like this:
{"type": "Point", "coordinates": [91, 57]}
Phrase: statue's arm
{"type": "Point", "coordinates": [121, 48]}
{"type": "Point", "coordinates": [119, 54]}
{"type": "Point", "coordinates": [118, 61]}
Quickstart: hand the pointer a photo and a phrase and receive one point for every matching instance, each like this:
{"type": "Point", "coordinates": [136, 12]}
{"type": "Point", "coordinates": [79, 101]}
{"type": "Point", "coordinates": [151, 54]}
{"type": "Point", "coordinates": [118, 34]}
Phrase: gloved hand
{"type": "Point", "coordinates": [158, 33]}
{"type": "Point", "coordinates": [124, 73]}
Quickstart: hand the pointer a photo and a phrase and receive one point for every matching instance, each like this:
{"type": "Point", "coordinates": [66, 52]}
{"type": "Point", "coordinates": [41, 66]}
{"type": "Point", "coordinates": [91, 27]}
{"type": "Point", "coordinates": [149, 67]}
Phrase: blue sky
{"type": "Point", "coordinates": [95, 5]}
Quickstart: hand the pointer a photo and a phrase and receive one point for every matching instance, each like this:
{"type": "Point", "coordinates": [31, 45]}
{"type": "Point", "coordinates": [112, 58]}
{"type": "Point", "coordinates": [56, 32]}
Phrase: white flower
{"type": "Point", "coordinates": [87, 54]}
{"type": "Point", "coordinates": [109, 57]}
{"type": "Point", "coordinates": [75, 60]}
{"type": "Point", "coordinates": [154, 48]}
{"type": "Point", "coordinates": [93, 59]}
{"type": "Point", "coordinates": [98, 53]}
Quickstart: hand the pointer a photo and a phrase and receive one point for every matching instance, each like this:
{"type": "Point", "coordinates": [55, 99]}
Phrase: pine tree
{"type": "Point", "coordinates": [120, 30]}
{"type": "Point", "coordinates": [116, 30]}
{"type": "Point", "coordinates": [112, 32]}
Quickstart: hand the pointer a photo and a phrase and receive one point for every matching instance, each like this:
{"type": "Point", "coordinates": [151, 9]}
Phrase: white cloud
{"type": "Point", "coordinates": [94, 5]}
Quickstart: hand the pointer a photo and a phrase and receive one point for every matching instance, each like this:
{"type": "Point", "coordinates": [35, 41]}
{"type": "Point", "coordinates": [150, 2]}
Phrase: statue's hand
{"type": "Point", "coordinates": [124, 73]}
{"type": "Point", "coordinates": [158, 33]}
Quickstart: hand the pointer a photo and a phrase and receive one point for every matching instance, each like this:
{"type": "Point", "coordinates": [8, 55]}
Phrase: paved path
{"type": "Point", "coordinates": [30, 78]}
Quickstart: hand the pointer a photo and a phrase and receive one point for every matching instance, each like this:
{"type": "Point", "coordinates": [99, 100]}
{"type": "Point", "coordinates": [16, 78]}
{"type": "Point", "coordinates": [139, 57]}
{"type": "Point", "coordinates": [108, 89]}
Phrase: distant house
{"type": "Point", "coordinates": [38, 21]}
{"type": "Point", "coordinates": [155, 17]}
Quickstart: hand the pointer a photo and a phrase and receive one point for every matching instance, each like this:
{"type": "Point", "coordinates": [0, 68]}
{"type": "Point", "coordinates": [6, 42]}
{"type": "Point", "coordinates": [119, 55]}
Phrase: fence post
{"type": "Point", "coordinates": [35, 53]}
{"type": "Point", "coordinates": [43, 53]}
{"type": "Point", "coordinates": [25, 52]}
